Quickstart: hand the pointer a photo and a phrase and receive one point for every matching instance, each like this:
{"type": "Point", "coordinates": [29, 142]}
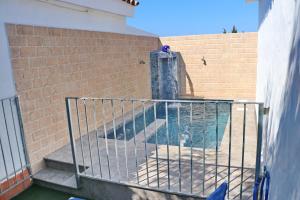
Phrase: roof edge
{"type": "Point", "coordinates": [132, 2]}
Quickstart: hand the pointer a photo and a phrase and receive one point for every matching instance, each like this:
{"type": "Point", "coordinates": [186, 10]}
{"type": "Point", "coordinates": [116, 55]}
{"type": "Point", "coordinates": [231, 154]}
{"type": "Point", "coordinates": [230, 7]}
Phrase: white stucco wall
{"type": "Point", "coordinates": [34, 12]}
{"type": "Point", "coordinates": [7, 86]}
{"type": "Point", "coordinates": [106, 16]}
{"type": "Point", "coordinates": [111, 6]}
{"type": "Point", "coordinates": [278, 85]}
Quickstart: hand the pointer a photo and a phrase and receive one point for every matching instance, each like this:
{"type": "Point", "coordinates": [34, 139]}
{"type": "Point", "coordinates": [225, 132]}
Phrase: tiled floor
{"type": "Point", "coordinates": [202, 172]}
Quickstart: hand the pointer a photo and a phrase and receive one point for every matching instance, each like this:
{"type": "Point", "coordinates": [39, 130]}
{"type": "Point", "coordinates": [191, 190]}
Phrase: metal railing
{"type": "Point", "coordinates": [178, 146]}
{"type": "Point", "coordinates": [14, 162]}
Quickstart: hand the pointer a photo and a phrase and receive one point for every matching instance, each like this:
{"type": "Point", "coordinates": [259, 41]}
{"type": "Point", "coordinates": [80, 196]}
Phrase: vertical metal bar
{"type": "Point", "coordinates": [17, 141]}
{"type": "Point", "coordinates": [106, 143]}
{"type": "Point", "coordinates": [115, 135]}
{"type": "Point", "coordinates": [217, 143]}
{"type": "Point", "coordinates": [145, 143]}
{"type": "Point", "coordinates": [125, 140]}
{"type": "Point", "coordinates": [179, 145]}
{"type": "Point", "coordinates": [259, 140]}
{"type": "Point", "coordinates": [4, 161]}
{"type": "Point", "coordinates": [262, 123]}
{"type": "Point", "coordinates": [18, 107]}
{"type": "Point", "coordinates": [9, 142]}
{"type": "Point", "coordinates": [97, 138]}
{"type": "Point", "coordinates": [156, 146]}
{"type": "Point", "coordinates": [229, 148]}
{"type": "Point", "coordinates": [204, 147]}
{"type": "Point", "coordinates": [80, 135]}
{"type": "Point", "coordinates": [243, 152]}
{"type": "Point", "coordinates": [134, 141]}
{"type": "Point", "coordinates": [88, 136]}
{"type": "Point", "coordinates": [72, 141]}
{"type": "Point", "coordinates": [168, 155]}
{"type": "Point", "coordinates": [191, 148]}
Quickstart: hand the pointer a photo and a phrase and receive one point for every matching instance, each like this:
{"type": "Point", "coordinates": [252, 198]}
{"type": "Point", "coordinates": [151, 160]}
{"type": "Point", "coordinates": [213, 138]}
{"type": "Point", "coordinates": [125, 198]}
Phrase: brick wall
{"type": "Point", "coordinates": [50, 64]}
{"type": "Point", "coordinates": [230, 70]}
{"type": "Point", "coordinates": [12, 188]}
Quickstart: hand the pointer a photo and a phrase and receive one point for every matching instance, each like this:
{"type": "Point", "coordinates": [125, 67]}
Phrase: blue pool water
{"type": "Point", "coordinates": [206, 128]}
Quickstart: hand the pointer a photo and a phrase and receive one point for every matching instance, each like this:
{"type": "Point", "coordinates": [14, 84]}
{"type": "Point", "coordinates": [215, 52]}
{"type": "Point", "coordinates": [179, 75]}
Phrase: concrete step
{"type": "Point", "coordinates": [51, 178]}
{"type": "Point", "coordinates": [150, 130]}
{"type": "Point", "coordinates": [61, 165]}
{"type": "Point", "coordinates": [57, 174]}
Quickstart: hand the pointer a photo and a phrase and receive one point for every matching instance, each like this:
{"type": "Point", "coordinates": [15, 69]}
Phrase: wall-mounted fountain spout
{"type": "Point", "coordinates": [165, 73]}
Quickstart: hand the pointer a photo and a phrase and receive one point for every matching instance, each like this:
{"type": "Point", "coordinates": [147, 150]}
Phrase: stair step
{"type": "Point", "coordinates": [51, 178]}
{"type": "Point", "coordinates": [61, 165]}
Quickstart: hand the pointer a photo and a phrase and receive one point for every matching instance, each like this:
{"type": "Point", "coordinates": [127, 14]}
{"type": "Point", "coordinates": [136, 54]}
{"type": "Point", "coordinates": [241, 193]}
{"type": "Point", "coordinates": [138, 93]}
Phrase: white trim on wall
{"type": "Point", "coordinates": [112, 6]}
{"type": "Point", "coordinates": [34, 12]}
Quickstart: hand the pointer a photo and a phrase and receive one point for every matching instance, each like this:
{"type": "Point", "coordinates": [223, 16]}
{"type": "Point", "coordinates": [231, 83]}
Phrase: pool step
{"type": "Point", "coordinates": [150, 129]}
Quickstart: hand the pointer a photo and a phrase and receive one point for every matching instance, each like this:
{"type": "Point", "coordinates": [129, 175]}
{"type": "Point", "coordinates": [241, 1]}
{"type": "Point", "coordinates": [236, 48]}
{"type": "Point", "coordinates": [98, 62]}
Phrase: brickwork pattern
{"type": "Point", "coordinates": [15, 185]}
{"type": "Point", "coordinates": [230, 70]}
{"type": "Point", "coordinates": [50, 64]}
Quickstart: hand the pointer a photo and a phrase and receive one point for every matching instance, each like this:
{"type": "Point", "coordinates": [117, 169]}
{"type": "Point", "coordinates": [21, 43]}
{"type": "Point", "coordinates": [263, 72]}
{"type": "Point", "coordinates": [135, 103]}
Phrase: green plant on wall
{"type": "Point", "coordinates": [234, 29]}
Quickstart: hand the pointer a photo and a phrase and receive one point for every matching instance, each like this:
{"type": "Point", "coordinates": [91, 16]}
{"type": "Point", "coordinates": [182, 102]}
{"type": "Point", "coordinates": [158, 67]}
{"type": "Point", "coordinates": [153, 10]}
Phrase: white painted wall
{"type": "Point", "coordinates": [112, 6]}
{"type": "Point", "coordinates": [34, 12]}
{"type": "Point", "coordinates": [7, 86]}
{"type": "Point", "coordinates": [278, 85]}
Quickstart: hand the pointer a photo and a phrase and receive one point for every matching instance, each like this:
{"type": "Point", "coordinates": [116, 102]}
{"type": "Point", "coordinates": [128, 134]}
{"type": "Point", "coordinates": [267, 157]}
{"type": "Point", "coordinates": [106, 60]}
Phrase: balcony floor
{"type": "Point", "coordinates": [200, 180]}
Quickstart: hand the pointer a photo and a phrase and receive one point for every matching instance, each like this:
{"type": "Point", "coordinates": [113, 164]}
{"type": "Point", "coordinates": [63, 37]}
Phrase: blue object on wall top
{"type": "Point", "coordinates": [165, 48]}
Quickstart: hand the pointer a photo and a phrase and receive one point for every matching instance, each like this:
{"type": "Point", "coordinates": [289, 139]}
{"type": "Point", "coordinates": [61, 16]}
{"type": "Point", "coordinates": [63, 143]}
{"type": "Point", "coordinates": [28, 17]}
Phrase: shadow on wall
{"type": "Point", "coordinates": [283, 154]}
{"type": "Point", "coordinates": [264, 8]}
{"type": "Point", "coordinates": [185, 78]}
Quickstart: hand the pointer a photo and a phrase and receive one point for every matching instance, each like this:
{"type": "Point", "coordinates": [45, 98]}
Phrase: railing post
{"type": "Point", "coordinates": [72, 141]}
{"type": "Point", "coordinates": [259, 140]}
{"type": "Point", "coordinates": [22, 134]}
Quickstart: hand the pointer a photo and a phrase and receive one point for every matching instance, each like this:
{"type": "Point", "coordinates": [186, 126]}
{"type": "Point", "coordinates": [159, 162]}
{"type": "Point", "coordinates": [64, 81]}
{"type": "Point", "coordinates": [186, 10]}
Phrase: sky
{"type": "Point", "coordinates": [190, 17]}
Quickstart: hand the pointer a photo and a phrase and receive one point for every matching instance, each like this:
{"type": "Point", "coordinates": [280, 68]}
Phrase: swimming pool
{"type": "Point", "coordinates": [139, 125]}
{"type": "Point", "coordinates": [205, 124]}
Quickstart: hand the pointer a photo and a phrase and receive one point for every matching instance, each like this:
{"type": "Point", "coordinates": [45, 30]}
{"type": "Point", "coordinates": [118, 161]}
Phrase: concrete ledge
{"type": "Point", "coordinates": [106, 190]}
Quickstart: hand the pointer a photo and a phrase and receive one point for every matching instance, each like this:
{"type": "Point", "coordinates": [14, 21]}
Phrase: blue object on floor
{"type": "Point", "coordinates": [267, 185]}
{"type": "Point", "coordinates": [256, 188]}
{"type": "Point", "coordinates": [75, 198]}
{"type": "Point", "coordinates": [260, 183]}
{"type": "Point", "coordinates": [219, 193]}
